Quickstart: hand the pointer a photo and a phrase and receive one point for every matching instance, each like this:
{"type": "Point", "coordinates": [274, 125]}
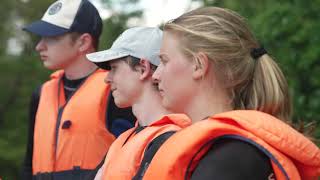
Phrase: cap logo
{"type": "Point", "coordinates": [55, 8]}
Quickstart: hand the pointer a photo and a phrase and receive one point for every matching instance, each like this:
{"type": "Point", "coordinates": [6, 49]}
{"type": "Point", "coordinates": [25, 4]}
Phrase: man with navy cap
{"type": "Point", "coordinates": [73, 119]}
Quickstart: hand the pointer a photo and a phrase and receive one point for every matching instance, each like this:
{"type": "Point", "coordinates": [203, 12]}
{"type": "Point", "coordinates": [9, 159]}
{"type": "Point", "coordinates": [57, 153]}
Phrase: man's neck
{"type": "Point", "coordinates": [148, 108]}
{"type": "Point", "coordinates": [79, 69]}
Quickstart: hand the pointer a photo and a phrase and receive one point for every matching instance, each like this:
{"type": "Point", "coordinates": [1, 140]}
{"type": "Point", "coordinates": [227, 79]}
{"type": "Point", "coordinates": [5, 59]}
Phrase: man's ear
{"type": "Point", "coordinates": [200, 66]}
{"type": "Point", "coordinates": [85, 43]}
{"type": "Point", "coordinates": [145, 69]}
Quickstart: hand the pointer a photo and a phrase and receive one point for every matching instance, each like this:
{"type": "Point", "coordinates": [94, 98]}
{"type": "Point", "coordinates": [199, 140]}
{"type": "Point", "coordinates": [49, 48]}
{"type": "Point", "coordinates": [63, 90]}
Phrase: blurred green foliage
{"type": "Point", "coordinates": [289, 29]}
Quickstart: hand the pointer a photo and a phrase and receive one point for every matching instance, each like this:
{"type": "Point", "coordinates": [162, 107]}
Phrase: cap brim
{"type": "Point", "coordinates": [102, 58]}
{"type": "Point", "coordinates": [43, 28]}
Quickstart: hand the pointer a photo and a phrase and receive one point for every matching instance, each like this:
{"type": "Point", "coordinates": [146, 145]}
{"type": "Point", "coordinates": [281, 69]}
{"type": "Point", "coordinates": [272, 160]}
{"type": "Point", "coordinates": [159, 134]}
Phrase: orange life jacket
{"type": "Point", "coordinates": [81, 140]}
{"type": "Point", "coordinates": [126, 153]}
{"type": "Point", "coordinates": [292, 155]}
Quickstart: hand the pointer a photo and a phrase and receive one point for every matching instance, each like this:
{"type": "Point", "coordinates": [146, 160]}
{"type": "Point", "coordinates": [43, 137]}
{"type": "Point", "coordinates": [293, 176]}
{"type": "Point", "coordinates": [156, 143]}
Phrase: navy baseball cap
{"type": "Point", "coordinates": [68, 16]}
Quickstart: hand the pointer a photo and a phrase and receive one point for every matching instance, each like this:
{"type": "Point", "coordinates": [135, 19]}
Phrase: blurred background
{"type": "Point", "coordinates": [289, 29]}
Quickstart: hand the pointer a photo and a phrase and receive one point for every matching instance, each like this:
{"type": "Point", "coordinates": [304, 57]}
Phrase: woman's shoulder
{"type": "Point", "coordinates": [233, 159]}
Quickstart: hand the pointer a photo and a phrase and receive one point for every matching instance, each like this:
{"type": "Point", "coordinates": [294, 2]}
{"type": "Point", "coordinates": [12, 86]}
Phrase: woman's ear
{"type": "Point", "coordinates": [85, 43]}
{"type": "Point", "coordinates": [145, 69]}
{"type": "Point", "coordinates": [200, 66]}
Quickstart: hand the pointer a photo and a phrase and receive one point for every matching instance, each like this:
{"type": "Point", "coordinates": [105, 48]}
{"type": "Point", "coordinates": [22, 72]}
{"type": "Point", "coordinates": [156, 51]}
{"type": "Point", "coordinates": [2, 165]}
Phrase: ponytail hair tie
{"type": "Point", "coordinates": [256, 53]}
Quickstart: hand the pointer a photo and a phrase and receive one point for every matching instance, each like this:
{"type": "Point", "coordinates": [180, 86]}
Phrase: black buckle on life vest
{"type": "Point", "coordinates": [66, 124]}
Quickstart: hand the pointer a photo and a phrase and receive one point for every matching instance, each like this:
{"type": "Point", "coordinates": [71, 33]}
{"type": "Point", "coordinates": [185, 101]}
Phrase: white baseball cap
{"type": "Point", "coordinates": [68, 16]}
{"type": "Point", "coordinates": [139, 42]}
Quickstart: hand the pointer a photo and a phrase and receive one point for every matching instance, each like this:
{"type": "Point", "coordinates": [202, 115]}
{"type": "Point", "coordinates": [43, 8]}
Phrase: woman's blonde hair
{"type": "Point", "coordinates": [225, 38]}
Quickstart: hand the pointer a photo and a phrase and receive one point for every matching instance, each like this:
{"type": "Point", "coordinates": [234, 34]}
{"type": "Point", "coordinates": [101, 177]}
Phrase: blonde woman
{"type": "Point", "coordinates": [215, 71]}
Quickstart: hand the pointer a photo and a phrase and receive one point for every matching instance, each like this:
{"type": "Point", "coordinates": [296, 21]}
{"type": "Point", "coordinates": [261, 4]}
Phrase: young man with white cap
{"type": "Point", "coordinates": [132, 59]}
{"type": "Point", "coordinates": [72, 119]}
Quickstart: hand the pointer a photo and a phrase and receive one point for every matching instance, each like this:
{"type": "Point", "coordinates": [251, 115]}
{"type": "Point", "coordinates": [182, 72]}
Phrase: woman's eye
{"type": "Point", "coordinates": [163, 61]}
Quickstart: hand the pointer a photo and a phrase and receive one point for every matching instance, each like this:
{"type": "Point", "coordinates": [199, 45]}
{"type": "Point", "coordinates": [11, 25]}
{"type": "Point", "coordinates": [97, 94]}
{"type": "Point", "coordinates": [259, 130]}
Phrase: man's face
{"type": "Point", "coordinates": [125, 84]}
{"type": "Point", "coordinates": [57, 52]}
